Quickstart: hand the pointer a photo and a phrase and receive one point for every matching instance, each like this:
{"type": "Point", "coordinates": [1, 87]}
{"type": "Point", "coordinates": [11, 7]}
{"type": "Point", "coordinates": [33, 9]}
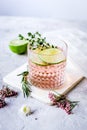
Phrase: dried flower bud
{"type": "Point", "coordinates": [2, 103]}
{"type": "Point", "coordinates": [62, 102]}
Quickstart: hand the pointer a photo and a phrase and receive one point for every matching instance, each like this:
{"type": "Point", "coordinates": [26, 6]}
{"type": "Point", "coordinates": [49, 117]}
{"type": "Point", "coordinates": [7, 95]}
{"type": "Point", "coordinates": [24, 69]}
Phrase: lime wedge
{"type": "Point", "coordinates": [36, 60]}
{"type": "Point", "coordinates": [52, 56]}
{"type": "Point", "coordinates": [34, 57]}
{"type": "Point", "coordinates": [18, 46]}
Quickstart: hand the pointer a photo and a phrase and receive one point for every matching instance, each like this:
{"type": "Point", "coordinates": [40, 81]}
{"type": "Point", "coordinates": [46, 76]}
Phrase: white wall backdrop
{"type": "Point", "coordinates": [61, 9]}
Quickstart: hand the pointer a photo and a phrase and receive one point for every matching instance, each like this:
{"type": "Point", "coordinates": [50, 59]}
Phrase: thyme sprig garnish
{"type": "Point", "coordinates": [62, 102]}
{"type": "Point", "coordinates": [36, 41]}
{"type": "Point", "coordinates": [26, 86]}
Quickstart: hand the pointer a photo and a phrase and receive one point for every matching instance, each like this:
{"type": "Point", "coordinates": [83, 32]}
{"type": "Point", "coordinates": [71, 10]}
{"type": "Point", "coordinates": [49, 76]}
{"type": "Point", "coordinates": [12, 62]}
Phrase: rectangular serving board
{"type": "Point", "coordinates": [73, 76]}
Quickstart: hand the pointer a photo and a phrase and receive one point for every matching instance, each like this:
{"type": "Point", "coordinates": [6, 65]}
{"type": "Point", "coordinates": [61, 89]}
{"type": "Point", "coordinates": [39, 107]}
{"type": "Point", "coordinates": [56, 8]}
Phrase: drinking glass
{"type": "Point", "coordinates": [48, 76]}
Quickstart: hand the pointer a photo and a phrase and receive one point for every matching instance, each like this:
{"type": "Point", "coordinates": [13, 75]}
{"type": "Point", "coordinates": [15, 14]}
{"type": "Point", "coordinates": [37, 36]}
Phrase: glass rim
{"type": "Point", "coordinates": [48, 48]}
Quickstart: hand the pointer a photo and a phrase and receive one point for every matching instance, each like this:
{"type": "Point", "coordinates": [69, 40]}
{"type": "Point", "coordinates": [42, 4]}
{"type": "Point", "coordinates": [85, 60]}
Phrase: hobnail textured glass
{"type": "Point", "coordinates": [49, 76]}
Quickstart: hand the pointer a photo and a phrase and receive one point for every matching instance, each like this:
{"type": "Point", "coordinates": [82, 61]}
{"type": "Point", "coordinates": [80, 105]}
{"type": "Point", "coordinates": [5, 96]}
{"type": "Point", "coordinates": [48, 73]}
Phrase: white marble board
{"type": "Point", "coordinates": [72, 77]}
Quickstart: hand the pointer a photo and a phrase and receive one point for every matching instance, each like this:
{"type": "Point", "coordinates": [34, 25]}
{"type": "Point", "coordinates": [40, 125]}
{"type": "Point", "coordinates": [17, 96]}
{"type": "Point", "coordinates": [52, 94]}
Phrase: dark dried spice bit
{"type": "Point", "coordinates": [2, 103]}
{"type": "Point", "coordinates": [36, 118]}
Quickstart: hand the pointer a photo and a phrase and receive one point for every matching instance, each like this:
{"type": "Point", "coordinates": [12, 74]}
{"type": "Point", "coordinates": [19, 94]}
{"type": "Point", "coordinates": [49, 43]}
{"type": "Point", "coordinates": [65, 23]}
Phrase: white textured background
{"type": "Point", "coordinates": [60, 9]}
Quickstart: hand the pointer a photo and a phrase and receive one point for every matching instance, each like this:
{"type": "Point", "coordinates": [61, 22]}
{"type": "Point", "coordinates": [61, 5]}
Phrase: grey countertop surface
{"type": "Point", "coordinates": [44, 117]}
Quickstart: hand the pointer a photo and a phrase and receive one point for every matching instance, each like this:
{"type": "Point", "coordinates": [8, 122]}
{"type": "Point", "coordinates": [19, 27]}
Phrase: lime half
{"type": "Point", "coordinates": [18, 46]}
{"type": "Point", "coordinates": [52, 56]}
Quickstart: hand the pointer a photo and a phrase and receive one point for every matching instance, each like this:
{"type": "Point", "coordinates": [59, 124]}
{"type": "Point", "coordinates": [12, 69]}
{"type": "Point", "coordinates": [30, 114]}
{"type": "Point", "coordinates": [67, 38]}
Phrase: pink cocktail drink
{"type": "Point", "coordinates": [47, 77]}
{"type": "Point", "coordinates": [46, 65]}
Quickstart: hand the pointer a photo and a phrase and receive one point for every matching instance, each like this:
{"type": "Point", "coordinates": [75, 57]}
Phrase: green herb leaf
{"type": "Point", "coordinates": [29, 34]}
{"type": "Point", "coordinates": [25, 73]}
{"type": "Point", "coordinates": [38, 34]}
{"type": "Point", "coordinates": [26, 86]}
{"type": "Point", "coordinates": [21, 37]}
